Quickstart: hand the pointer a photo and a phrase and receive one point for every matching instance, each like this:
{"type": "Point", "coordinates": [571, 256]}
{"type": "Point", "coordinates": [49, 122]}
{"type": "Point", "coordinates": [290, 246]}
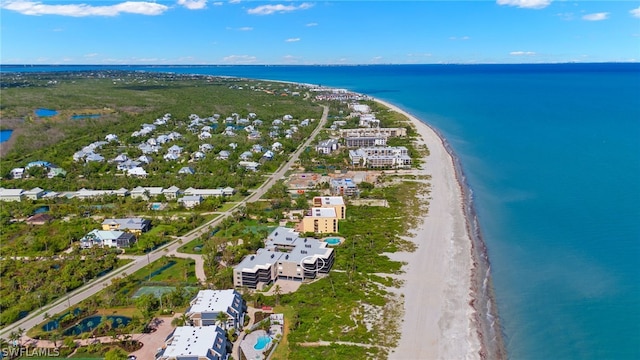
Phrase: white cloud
{"type": "Point", "coordinates": [239, 59]}
{"type": "Point", "coordinates": [463, 38]}
{"type": "Point", "coordinates": [312, 24]}
{"type": "Point", "coordinates": [278, 8]}
{"type": "Point", "coordinates": [78, 10]}
{"type": "Point", "coordinates": [528, 4]}
{"type": "Point", "coordinates": [234, 1]}
{"type": "Point", "coordinates": [193, 4]}
{"type": "Point", "coordinates": [596, 16]}
{"type": "Point", "coordinates": [522, 53]}
{"type": "Point", "coordinates": [245, 28]}
{"type": "Point", "coordinates": [635, 12]}
{"type": "Point", "coordinates": [90, 55]}
{"type": "Point", "coordinates": [292, 40]}
{"type": "Point", "coordinates": [218, 3]}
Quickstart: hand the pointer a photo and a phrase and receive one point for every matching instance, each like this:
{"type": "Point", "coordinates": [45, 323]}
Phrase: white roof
{"type": "Point", "coordinates": [323, 212]}
{"type": "Point", "coordinates": [10, 192]}
{"type": "Point", "coordinates": [213, 301]}
{"type": "Point", "coordinates": [332, 200]}
{"type": "Point", "coordinates": [192, 341]}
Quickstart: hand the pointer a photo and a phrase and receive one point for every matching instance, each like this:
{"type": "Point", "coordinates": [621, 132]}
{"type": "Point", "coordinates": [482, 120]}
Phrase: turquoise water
{"type": "Point", "coordinates": [45, 112]}
{"type": "Point", "coordinates": [86, 116]}
{"type": "Point", "coordinates": [41, 209]}
{"type": "Point", "coordinates": [332, 241]}
{"type": "Point", "coordinates": [262, 342]}
{"type": "Point", "coordinates": [552, 155]}
{"type": "Point", "coordinates": [5, 135]}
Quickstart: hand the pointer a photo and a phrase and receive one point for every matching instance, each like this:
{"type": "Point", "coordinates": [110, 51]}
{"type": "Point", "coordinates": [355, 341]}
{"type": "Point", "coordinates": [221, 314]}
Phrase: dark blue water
{"type": "Point", "coordinates": [552, 153]}
{"type": "Point", "coordinates": [5, 135]}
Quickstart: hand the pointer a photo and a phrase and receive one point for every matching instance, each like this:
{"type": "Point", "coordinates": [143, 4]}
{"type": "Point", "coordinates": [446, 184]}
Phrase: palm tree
{"type": "Point", "coordinates": [277, 290]}
{"type": "Point", "coordinates": [222, 318]}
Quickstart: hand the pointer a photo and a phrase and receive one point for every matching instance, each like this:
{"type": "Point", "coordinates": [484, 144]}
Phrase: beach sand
{"type": "Point", "coordinates": [439, 320]}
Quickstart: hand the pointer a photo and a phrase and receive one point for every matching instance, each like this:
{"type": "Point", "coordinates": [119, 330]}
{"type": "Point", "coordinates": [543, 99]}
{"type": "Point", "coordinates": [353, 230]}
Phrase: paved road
{"type": "Point", "coordinates": [36, 317]}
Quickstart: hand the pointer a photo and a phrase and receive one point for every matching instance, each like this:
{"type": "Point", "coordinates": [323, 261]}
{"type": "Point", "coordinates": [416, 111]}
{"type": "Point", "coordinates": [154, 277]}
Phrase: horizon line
{"type": "Point", "coordinates": [363, 64]}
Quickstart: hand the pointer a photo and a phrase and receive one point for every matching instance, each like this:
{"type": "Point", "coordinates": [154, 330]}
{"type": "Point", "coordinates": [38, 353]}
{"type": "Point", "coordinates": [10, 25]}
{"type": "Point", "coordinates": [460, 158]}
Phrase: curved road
{"type": "Point", "coordinates": [36, 316]}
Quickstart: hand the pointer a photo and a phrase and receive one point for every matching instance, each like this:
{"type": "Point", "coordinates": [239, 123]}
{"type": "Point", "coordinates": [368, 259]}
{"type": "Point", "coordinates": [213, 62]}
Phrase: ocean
{"type": "Point", "coordinates": [551, 153]}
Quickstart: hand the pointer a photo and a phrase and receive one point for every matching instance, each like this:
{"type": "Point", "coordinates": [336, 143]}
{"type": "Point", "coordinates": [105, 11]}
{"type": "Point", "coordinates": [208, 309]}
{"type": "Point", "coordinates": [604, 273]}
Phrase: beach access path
{"type": "Point", "coordinates": [438, 320]}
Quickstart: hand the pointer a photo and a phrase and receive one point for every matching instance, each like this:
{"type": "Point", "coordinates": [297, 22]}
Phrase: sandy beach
{"type": "Point", "coordinates": [439, 321]}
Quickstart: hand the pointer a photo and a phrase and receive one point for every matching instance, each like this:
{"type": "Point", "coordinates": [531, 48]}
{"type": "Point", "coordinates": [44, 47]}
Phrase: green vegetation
{"type": "Point", "coordinates": [28, 284]}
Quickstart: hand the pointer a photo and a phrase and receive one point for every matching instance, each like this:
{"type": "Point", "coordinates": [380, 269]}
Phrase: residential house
{"type": "Point", "coordinates": [93, 157]}
{"type": "Point", "coordinates": [86, 194]}
{"type": "Point", "coordinates": [327, 146]}
{"type": "Point", "coordinates": [223, 155]}
{"type": "Point", "coordinates": [17, 173]}
{"type": "Point", "coordinates": [205, 147]}
{"type": "Point", "coordinates": [276, 146]}
{"type": "Point", "coordinates": [34, 194]}
{"type": "Point", "coordinates": [198, 155]}
{"type": "Point", "coordinates": [174, 149]}
{"type": "Point", "coordinates": [249, 165]}
{"type": "Point", "coordinates": [56, 171]}
{"type": "Point", "coordinates": [254, 135]}
{"type": "Point", "coordinates": [171, 192]}
{"type": "Point", "coordinates": [205, 309]}
{"type": "Point", "coordinates": [145, 193]}
{"type": "Point", "coordinates": [247, 155]}
{"type": "Point", "coordinates": [39, 219]}
{"type": "Point", "coordinates": [137, 172]}
{"type": "Point", "coordinates": [11, 194]}
{"type": "Point", "coordinates": [196, 343]}
{"type": "Point", "coordinates": [102, 238]}
{"type": "Point", "coordinates": [268, 155]}
{"type": "Point", "coordinates": [186, 171]}
{"type": "Point", "coordinates": [133, 225]}
{"type": "Point", "coordinates": [204, 135]}
{"type": "Point", "coordinates": [144, 159]}
{"type": "Point", "coordinates": [190, 201]}
{"type": "Point", "coordinates": [205, 193]}
{"type": "Point", "coordinates": [111, 137]}
{"type": "Point", "coordinates": [128, 165]}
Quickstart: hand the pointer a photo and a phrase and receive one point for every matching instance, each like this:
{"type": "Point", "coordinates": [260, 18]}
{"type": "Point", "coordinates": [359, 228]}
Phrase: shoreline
{"type": "Point", "coordinates": [449, 299]}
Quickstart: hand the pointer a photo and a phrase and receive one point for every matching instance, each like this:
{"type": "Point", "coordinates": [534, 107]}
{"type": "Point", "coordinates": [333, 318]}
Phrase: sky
{"type": "Point", "coordinates": [239, 32]}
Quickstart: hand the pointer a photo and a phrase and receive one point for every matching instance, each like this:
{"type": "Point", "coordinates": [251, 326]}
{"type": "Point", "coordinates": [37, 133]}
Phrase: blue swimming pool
{"type": "Point", "coordinates": [332, 241]}
{"type": "Point", "coordinates": [262, 342]}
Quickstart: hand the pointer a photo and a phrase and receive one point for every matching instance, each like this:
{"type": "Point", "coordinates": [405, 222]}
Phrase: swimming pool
{"type": "Point", "coordinates": [332, 241]}
{"type": "Point", "coordinates": [262, 342]}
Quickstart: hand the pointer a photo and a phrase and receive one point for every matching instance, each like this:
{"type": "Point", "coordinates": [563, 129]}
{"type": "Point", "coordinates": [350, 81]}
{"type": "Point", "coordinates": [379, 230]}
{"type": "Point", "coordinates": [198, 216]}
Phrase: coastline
{"type": "Point", "coordinates": [449, 309]}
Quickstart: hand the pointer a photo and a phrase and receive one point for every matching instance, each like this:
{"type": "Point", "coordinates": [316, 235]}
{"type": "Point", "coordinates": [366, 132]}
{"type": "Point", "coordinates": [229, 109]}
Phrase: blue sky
{"type": "Point", "coordinates": [317, 32]}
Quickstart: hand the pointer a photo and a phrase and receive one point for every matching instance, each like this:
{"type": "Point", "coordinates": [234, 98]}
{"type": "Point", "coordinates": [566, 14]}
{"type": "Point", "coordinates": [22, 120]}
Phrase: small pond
{"type": "Point", "coordinates": [89, 323]}
{"type": "Point", "coordinates": [42, 112]}
{"type": "Point", "coordinates": [5, 135]}
{"type": "Point", "coordinates": [85, 116]}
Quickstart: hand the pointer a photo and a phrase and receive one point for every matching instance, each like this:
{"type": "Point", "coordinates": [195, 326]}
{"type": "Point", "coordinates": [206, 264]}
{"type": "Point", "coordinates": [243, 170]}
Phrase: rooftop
{"type": "Point", "coordinates": [213, 301]}
{"type": "Point", "coordinates": [195, 341]}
